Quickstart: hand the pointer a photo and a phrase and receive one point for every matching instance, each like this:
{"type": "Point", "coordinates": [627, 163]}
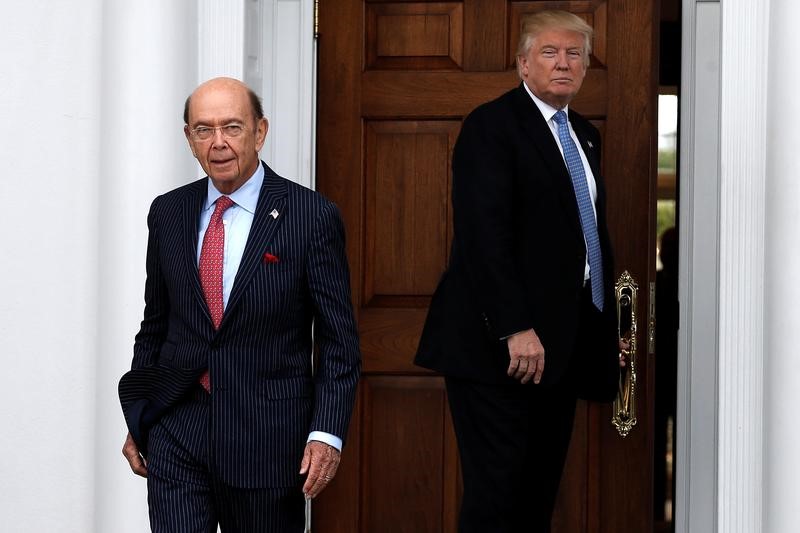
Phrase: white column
{"type": "Point", "coordinates": [782, 292]}
{"type": "Point", "coordinates": [49, 89]}
{"type": "Point", "coordinates": [150, 66]}
{"type": "Point", "coordinates": [743, 119]}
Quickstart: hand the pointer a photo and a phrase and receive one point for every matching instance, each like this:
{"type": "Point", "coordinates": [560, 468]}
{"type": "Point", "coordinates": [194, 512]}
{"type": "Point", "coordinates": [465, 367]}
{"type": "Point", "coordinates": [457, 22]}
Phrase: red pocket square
{"type": "Point", "coordinates": [269, 258]}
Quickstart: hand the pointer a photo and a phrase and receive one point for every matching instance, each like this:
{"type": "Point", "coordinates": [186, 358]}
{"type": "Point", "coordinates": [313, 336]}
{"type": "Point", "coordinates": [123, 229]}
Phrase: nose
{"type": "Point", "coordinates": [561, 60]}
{"type": "Point", "coordinates": [218, 140]}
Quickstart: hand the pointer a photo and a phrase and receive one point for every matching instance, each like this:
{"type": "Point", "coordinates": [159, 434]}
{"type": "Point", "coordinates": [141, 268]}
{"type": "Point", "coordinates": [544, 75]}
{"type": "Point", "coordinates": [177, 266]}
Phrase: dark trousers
{"type": "Point", "coordinates": [184, 496]}
{"type": "Point", "coordinates": [513, 439]}
{"type": "Point", "coordinates": [513, 442]}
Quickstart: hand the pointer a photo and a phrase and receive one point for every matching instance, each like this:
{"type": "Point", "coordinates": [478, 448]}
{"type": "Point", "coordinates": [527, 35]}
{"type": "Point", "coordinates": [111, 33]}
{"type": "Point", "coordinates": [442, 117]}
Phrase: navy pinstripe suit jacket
{"type": "Point", "coordinates": [265, 399]}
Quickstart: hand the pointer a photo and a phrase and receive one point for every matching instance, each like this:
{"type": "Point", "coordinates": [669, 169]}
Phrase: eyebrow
{"type": "Point", "coordinates": [556, 47]}
{"type": "Point", "coordinates": [224, 122]}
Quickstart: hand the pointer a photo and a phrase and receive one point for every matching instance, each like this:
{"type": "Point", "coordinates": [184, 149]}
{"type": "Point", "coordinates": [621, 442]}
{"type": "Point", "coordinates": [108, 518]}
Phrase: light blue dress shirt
{"type": "Point", "coordinates": [237, 221]}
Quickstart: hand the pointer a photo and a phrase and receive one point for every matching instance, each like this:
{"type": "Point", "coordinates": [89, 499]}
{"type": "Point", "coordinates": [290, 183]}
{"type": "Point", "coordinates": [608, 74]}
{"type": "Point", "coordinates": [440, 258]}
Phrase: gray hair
{"type": "Point", "coordinates": [553, 20]}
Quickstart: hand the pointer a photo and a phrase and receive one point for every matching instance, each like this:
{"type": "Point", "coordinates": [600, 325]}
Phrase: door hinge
{"type": "Point", "coordinates": [316, 19]}
{"type": "Point", "coordinates": [651, 320]}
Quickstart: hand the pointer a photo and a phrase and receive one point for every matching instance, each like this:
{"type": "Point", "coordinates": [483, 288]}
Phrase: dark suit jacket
{"type": "Point", "coordinates": [518, 254]}
{"type": "Point", "coordinates": [265, 398]}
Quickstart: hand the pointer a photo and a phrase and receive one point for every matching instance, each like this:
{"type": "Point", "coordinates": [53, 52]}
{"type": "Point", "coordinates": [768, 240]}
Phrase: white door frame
{"type": "Point", "coordinates": [719, 380]}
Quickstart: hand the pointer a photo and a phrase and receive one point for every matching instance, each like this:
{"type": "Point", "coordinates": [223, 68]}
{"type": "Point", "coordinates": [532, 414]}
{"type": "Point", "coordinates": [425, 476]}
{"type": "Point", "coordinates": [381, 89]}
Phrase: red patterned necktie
{"type": "Point", "coordinates": [211, 259]}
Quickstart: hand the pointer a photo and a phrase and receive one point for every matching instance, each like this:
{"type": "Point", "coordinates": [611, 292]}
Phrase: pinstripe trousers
{"type": "Point", "coordinates": [184, 496]}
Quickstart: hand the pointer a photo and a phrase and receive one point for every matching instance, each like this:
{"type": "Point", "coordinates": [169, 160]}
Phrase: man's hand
{"type": "Point", "coordinates": [135, 459]}
{"type": "Point", "coordinates": [320, 461]}
{"type": "Point", "coordinates": [527, 356]}
{"type": "Point", "coordinates": [624, 351]}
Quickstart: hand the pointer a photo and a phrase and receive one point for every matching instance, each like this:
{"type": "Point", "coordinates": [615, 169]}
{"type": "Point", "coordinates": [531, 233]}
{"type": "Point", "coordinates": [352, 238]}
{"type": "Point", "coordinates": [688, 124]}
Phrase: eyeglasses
{"type": "Point", "coordinates": [229, 131]}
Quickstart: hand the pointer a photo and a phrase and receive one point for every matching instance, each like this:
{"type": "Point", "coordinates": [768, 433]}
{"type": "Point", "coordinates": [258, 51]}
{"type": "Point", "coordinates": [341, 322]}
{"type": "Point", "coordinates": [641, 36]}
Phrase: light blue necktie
{"type": "Point", "coordinates": [588, 222]}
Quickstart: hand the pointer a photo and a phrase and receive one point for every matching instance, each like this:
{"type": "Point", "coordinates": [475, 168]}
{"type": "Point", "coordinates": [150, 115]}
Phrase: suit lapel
{"type": "Point", "coordinates": [536, 128]}
{"type": "Point", "coordinates": [271, 198]}
{"type": "Point", "coordinates": [192, 204]}
{"type": "Point", "coordinates": [592, 156]}
{"type": "Point", "coordinates": [589, 148]}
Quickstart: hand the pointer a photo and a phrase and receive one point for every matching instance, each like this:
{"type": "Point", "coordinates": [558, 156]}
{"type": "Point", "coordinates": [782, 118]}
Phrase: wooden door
{"type": "Point", "coordinates": [396, 78]}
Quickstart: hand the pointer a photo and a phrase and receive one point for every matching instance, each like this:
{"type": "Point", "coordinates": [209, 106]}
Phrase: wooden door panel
{"type": "Point", "coordinates": [571, 509]}
{"type": "Point", "coordinates": [412, 500]}
{"type": "Point", "coordinates": [396, 80]}
{"type": "Point", "coordinates": [455, 94]}
{"type": "Point", "coordinates": [485, 28]}
{"type": "Point", "coordinates": [414, 35]}
{"type": "Point", "coordinates": [389, 339]}
{"type": "Point", "coordinates": [407, 191]}
{"type": "Point", "coordinates": [406, 235]}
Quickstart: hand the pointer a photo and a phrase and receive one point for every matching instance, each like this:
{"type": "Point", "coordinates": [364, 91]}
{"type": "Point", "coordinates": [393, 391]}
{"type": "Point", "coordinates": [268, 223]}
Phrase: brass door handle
{"type": "Point", "coordinates": [624, 417]}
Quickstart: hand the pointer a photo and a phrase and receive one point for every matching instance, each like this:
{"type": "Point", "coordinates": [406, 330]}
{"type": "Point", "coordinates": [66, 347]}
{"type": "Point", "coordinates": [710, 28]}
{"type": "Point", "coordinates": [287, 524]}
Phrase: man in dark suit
{"type": "Point", "coordinates": [226, 410]}
{"type": "Point", "coordinates": [523, 321]}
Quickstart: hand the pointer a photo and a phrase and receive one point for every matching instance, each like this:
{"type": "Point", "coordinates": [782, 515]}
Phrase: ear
{"type": "Point", "coordinates": [188, 135]}
{"type": "Point", "coordinates": [262, 126]}
{"type": "Point", "coordinates": [522, 66]}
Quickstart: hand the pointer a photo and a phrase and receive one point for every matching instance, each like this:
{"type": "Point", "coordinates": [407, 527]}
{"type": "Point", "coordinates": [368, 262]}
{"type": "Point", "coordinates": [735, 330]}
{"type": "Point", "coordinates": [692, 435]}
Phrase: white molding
{"type": "Point", "coordinates": [220, 39]}
{"type": "Point", "coordinates": [254, 52]}
{"type": "Point", "coordinates": [270, 45]}
{"type": "Point", "coordinates": [721, 382]}
{"type": "Point", "coordinates": [696, 432]}
{"type": "Point", "coordinates": [288, 87]}
{"type": "Point", "coordinates": [743, 154]}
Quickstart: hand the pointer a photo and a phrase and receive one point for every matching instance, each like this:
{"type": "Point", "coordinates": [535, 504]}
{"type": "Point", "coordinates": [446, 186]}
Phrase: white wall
{"type": "Point", "coordinates": [782, 290]}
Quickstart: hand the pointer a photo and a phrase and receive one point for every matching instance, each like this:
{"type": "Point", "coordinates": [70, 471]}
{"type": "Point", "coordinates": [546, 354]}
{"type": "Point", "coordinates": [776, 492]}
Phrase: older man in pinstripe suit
{"type": "Point", "coordinates": [229, 420]}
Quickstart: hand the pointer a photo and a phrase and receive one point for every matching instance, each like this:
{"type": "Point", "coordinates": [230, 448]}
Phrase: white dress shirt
{"type": "Point", "coordinates": [548, 112]}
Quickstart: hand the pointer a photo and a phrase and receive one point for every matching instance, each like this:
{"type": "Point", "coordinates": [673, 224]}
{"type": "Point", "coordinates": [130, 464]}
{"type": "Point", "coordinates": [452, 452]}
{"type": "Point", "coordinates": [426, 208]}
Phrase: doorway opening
{"type": "Point", "coordinates": [666, 300]}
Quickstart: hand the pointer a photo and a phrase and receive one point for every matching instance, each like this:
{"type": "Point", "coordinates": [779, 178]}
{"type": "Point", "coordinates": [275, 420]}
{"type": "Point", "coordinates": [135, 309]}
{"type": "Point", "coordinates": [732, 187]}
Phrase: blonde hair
{"type": "Point", "coordinates": [553, 20]}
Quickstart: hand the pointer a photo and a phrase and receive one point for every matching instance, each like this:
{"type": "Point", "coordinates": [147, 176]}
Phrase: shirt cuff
{"type": "Point", "coordinates": [517, 333]}
{"type": "Point", "coordinates": [327, 438]}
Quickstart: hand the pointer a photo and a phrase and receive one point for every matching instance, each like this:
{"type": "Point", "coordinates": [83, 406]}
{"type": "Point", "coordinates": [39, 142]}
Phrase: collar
{"type": "Point", "coordinates": [245, 196]}
{"type": "Point", "coordinates": [546, 109]}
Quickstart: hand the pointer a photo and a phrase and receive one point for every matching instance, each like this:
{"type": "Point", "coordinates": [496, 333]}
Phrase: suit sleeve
{"type": "Point", "coordinates": [335, 332]}
{"type": "Point", "coordinates": [153, 328]}
{"type": "Point", "coordinates": [483, 203]}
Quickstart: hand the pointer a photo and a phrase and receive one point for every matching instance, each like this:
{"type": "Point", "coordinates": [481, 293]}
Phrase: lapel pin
{"type": "Point", "coordinates": [590, 144]}
{"type": "Point", "coordinates": [274, 213]}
